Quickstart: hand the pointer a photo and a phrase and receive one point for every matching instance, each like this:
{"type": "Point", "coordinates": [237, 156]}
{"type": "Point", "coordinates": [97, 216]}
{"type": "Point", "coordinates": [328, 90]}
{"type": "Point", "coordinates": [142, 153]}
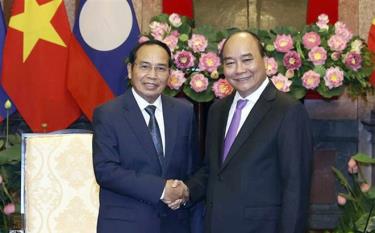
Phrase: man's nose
{"type": "Point", "coordinates": [152, 73]}
{"type": "Point", "coordinates": [240, 67]}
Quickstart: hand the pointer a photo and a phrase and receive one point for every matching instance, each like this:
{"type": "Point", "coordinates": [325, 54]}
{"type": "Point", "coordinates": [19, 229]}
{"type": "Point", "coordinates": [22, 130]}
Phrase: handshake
{"type": "Point", "coordinates": [175, 194]}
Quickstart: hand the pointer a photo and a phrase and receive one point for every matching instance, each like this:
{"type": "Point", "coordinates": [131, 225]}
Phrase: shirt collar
{"type": "Point", "coordinates": [142, 103]}
{"type": "Point", "coordinates": [253, 97]}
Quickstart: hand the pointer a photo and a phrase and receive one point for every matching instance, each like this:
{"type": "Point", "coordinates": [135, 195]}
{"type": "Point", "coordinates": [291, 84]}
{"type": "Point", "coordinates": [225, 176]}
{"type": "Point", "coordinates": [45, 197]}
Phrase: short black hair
{"type": "Point", "coordinates": [256, 37]}
{"type": "Point", "coordinates": [133, 54]}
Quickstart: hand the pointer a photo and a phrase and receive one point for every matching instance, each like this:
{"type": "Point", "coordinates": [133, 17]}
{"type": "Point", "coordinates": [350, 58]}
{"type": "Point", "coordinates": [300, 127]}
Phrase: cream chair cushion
{"type": "Point", "coordinates": [61, 194]}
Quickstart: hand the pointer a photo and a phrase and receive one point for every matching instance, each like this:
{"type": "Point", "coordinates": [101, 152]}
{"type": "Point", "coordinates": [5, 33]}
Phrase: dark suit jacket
{"type": "Point", "coordinates": [128, 171]}
{"type": "Point", "coordinates": [263, 185]}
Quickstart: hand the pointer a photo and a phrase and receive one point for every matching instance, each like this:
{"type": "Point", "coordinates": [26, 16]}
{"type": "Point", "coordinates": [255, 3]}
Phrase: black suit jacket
{"type": "Point", "coordinates": [263, 185]}
{"type": "Point", "coordinates": [128, 171]}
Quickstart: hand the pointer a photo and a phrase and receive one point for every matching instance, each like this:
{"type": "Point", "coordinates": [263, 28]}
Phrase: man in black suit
{"type": "Point", "coordinates": [142, 142]}
{"type": "Point", "coordinates": [257, 170]}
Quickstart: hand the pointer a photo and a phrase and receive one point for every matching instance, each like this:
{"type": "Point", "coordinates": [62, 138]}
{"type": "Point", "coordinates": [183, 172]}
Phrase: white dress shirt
{"type": "Point", "coordinates": [252, 99]}
{"type": "Point", "coordinates": [142, 104]}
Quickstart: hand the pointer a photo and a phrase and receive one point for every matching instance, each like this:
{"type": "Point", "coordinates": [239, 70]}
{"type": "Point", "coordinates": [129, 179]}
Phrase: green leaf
{"type": "Point", "coordinates": [361, 223]}
{"type": "Point", "coordinates": [298, 92]}
{"type": "Point", "coordinates": [11, 155]}
{"type": "Point", "coordinates": [160, 18]}
{"type": "Point", "coordinates": [299, 49]}
{"type": "Point", "coordinates": [170, 92]}
{"type": "Point", "coordinates": [232, 30]}
{"type": "Point", "coordinates": [2, 143]}
{"type": "Point", "coordinates": [184, 29]}
{"type": "Point", "coordinates": [205, 96]}
{"type": "Point", "coordinates": [340, 177]}
{"type": "Point", "coordinates": [371, 193]}
{"type": "Point", "coordinates": [329, 93]}
{"type": "Point", "coordinates": [320, 70]}
{"type": "Point", "coordinates": [363, 158]}
{"type": "Point", "coordinates": [208, 31]}
{"type": "Point", "coordinates": [14, 139]}
{"type": "Point", "coordinates": [347, 196]}
{"type": "Point", "coordinates": [221, 35]}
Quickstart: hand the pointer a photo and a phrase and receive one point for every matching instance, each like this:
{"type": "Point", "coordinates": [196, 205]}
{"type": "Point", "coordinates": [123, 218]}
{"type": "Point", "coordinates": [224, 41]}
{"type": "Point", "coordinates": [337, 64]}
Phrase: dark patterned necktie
{"type": "Point", "coordinates": [155, 134]}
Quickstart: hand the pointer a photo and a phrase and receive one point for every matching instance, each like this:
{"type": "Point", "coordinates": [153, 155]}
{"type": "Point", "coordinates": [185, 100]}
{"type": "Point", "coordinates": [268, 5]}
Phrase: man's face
{"type": "Point", "coordinates": [149, 73]}
{"type": "Point", "coordinates": [243, 64]}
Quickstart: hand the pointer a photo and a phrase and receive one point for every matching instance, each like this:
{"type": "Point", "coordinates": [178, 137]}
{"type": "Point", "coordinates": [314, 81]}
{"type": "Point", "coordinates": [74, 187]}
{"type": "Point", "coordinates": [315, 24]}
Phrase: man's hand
{"type": "Point", "coordinates": [176, 193]}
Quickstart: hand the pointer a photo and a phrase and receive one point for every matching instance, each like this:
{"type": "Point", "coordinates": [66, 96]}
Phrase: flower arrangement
{"type": "Point", "coordinates": [359, 200]}
{"type": "Point", "coordinates": [10, 177]}
{"type": "Point", "coordinates": [196, 68]}
{"type": "Point", "coordinates": [322, 58]}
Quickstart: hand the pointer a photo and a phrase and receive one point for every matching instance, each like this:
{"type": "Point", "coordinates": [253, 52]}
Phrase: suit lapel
{"type": "Point", "coordinates": [261, 107]}
{"type": "Point", "coordinates": [222, 122]}
{"type": "Point", "coordinates": [136, 122]}
{"type": "Point", "coordinates": [170, 125]}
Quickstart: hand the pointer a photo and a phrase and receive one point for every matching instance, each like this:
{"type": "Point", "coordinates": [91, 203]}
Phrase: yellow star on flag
{"type": "Point", "coordinates": [35, 23]}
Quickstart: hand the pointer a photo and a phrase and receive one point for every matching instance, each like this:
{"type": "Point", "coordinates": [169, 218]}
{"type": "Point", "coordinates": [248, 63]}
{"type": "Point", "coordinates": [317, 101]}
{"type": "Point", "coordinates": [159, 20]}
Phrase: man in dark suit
{"type": "Point", "coordinates": [257, 168]}
{"type": "Point", "coordinates": [142, 142]}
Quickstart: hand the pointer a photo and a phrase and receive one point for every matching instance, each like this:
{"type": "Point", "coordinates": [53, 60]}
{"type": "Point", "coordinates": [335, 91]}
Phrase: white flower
{"type": "Point", "coordinates": [175, 20]}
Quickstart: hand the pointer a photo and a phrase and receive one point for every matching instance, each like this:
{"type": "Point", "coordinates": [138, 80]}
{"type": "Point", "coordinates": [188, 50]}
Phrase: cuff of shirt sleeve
{"type": "Point", "coordinates": [162, 195]}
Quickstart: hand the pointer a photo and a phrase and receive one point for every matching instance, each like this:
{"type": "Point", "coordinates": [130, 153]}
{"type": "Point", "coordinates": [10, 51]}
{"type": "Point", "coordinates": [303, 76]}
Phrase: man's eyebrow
{"type": "Point", "coordinates": [149, 63]}
{"type": "Point", "coordinates": [227, 58]}
{"type": "Point", "coordinates": [145, 62]}
{"type": "Point", "coordinates": [247, 55]}
{"type": "Point", "coordinates": [243, 55]}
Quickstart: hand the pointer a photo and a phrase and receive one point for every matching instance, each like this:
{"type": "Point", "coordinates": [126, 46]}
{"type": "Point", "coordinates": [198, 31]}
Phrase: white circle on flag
{"type": "Point", "coordinates": [105, 25]}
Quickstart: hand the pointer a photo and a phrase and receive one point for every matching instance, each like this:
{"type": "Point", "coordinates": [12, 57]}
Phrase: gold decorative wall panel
{"type": "Point", "coordinates": [366, 14]}
{"type": "Point", "coordinates": [61, 194]}
{"type": "Point", "coordinates": [282, 13]}
{"type": "Point", "coordinates": [145, 10]}
{"type": "Point", "coordinates": [221, 13]}
{"type": "Point", "coordinates": [348, 13]}
{"type": "Point", "coordinates": [264, 14]}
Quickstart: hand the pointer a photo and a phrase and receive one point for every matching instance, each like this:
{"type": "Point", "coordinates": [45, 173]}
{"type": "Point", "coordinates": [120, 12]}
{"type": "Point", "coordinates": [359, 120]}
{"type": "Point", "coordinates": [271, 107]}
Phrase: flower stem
{"type": "Point", "coordinates": [7, 193]}
{"type": "Point", "coordinates": [368, 217]}
{"type": "Point", "coordinates": [5, 222]}
{"type": "Point", "coordinates": [7, 130]}
{"type": "Point", "coordinates": [5, 187]}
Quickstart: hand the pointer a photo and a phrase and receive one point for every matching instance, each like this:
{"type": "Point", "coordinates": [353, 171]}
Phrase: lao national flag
{"type": "Point", "coordinates": [34, 64]}
{"type": "Point", "coordinates": [3, 96]}
{"type": "Point", "coordinates": [107, 31]}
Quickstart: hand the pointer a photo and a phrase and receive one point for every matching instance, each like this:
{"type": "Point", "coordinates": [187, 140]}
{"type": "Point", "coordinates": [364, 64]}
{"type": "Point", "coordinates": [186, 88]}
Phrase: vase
{"type": "Point", "coordinates": [16, 223]}
{"type": "Point", "coordinates": [314, 95]}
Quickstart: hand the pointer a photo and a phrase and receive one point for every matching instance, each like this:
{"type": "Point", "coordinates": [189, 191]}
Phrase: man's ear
{"type": "Point", "coordinates": [265, 62]}
{"type": "Point", "coordinates": [130, 71]}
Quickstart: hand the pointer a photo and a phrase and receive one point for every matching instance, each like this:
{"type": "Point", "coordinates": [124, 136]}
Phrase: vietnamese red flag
{"type": "Point", "coordinates": [371, 37]}
{"type": "Point", "coordinates": [318, 7]}
{"type": "Point", "coordinates": [182, 7]}
{"type": "Point", "coordinates": [35, 62]}
{"type": "Point", "coordinates": [3, 96]}
{"type": "Point", "coordinates": [371, 47]}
